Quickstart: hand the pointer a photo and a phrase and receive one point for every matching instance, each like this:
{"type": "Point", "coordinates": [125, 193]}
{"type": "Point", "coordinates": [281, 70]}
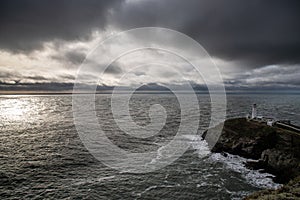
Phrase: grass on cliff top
{"type": "Point", "coordinates": [241, 126]}
{"type": "Point", "coordinates": [244, 127]}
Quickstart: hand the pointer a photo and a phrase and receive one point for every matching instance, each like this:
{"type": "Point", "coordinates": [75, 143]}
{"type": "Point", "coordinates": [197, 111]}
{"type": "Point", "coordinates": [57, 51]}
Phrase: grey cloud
{"type": "Point", "coordinates": [255, 32]}
{"type": "Point", "coordinates": [25, 25]}
{"type": "Point", "coordinates": [269, 76]}
{"type": "Point", "coordinates": [113, 69]}
{"type": "Point", "coordinates": [5, 74]}
{"type": "Point", "coordinates": [10, 76]}
{"type": "Point", "coordinates": [74, 57]}
{"type": "Point", "coordinates": [15, 78]}
{"type": "Point", "coordinates": [35, 78]}
{"type": "Point", "coordinates": [251, 33]}
{"type": "Point", "coordinates": [139, 73]}
{"type": "Point", "coordinates": [49, 86]}
{"type": "Point", "coordinates": [68, 77]}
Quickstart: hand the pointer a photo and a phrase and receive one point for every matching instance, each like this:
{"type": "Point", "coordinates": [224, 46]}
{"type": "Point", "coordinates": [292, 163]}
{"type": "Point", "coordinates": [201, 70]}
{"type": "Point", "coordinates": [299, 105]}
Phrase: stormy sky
{"type": "Point", "coordinates": [255, 43]}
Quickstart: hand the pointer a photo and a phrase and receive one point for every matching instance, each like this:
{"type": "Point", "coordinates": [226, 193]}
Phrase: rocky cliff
{"type": "Point", "coordinates": [277, 150]}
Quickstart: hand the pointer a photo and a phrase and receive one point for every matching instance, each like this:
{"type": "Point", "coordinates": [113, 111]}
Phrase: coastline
{"type": "Point", "coordinates": [276, 150]}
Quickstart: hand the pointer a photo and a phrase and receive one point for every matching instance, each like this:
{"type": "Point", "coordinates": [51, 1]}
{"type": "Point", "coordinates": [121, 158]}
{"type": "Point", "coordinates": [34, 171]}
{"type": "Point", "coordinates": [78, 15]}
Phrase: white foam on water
{"type": "Point", "coordinates": [105, 178]}
{"type": "Point", "coordinates": [235, 163]}
{"type": "Point", "coordinates": [254, 177]}
{"type": "Point", "coordinates": [94, 180]}
{"type": "Point", "coordinates": [158, 157]}
{"type": "Point", "coordinates": [146, 190]}
{"type": "Point", "coordinates": [195, 141]}
{"type": "Point", "coordinates": [199, 145]}
{"type": "Point", "coordinates": [154, 187]}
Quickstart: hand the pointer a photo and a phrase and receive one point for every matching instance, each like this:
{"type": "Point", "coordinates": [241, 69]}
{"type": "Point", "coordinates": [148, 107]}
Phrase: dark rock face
{"type": "Point", "coordinates": [284, 164]}
{"type": "Point", "coordinates": [278, 150]}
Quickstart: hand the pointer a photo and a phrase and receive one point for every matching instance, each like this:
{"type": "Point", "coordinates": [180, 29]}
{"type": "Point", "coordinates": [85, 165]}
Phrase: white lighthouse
{"type": "Point", "coordinates": [254, 112]}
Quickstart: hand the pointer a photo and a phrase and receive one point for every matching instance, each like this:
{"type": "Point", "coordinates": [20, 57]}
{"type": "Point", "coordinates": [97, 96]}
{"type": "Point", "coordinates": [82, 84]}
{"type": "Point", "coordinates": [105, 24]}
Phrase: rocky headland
{"type": "Point", "coordinates": [275, 150]}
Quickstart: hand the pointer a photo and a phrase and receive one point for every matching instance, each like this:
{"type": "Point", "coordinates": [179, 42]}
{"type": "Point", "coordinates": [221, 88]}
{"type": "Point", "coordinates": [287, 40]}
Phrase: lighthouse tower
{"type": "Point", "coordinates": [254, 111]}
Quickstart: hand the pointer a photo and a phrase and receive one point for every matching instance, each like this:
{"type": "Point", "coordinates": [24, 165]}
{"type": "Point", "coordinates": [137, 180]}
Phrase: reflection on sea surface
{"type": "Point", "coordinates": [42, 156]}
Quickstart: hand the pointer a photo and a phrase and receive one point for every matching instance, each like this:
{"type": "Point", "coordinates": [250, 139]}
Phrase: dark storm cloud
{"type": "Point", "coordinates": [73, 57]}
{"type": "Point", "coordinates": [255, 32]}
{"type": "Point", "coordinates": [252, 34]}
{"type": "Point", "coordinates": [113, 69]}
{"type": "Point", "coordinates": [26, 24]}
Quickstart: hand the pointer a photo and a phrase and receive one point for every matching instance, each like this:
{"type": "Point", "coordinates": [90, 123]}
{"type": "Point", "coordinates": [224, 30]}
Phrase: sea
{"type": "Point", "coordinates": [43, 157]}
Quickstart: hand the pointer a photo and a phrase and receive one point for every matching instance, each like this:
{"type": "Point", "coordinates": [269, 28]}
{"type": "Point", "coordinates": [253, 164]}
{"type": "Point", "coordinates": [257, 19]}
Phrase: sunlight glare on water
{"type": "Point", "coordinates": [17, 111]}
{"type": "Point", "coordinates": [42, 156]}
{"type": "Point", "coordinates": [14, 109]}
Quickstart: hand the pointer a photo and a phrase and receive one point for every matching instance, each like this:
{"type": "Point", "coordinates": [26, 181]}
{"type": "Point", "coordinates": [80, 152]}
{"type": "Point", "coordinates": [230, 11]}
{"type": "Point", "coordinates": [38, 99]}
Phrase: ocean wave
{"type": "Point", "coordinates": [254, 177]}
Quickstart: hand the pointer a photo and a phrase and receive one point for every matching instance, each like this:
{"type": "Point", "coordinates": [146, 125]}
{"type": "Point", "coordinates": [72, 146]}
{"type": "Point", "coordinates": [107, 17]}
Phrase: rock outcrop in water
{"type": "Point", "coordinates": [277, 150]}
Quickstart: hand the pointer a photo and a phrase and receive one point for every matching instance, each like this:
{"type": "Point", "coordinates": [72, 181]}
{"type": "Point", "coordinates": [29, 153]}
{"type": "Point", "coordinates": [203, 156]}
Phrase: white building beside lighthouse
{"type": "Point", "coordinates": [254, 111]}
